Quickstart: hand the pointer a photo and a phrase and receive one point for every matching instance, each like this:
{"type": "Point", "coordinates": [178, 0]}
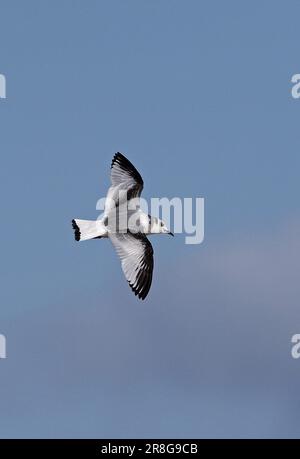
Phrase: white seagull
{"type": "Point", "coordinates": [127, 236]}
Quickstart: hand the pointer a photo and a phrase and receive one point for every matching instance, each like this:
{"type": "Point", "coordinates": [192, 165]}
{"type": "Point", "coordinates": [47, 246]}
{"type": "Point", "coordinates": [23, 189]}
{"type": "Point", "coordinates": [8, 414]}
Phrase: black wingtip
{"type": "Point", "coordinates": [76, 230]}
{"type": "Point", "coordinates": [118, 157]}
{"type": "Point", "coordinates": [139, 293]}
{"type": "Point", "coordinates": [126, 165]}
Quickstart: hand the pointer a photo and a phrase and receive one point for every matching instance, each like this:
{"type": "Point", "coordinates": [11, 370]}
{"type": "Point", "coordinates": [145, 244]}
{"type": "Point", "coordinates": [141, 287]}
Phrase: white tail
{"type": "Point", "coordinates": [88, 229]}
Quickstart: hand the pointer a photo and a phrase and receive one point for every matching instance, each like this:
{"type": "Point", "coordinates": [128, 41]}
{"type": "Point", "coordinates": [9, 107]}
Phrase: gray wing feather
{"type": "Point", "coordinates": [136, 254]}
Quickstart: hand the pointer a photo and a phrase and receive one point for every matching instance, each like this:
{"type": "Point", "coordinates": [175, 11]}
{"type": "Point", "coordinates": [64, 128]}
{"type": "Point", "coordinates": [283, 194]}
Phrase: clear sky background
{"type": "Point", "coordinates": [197, 94]}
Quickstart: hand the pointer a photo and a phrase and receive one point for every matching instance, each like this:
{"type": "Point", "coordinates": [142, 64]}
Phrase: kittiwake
{"type": "Point", "coordinates": [126, 225]}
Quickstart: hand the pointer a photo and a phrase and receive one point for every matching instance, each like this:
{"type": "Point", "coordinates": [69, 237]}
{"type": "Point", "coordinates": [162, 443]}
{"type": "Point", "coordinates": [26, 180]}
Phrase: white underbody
{"type": "Point", "coordinates": [106, 225]}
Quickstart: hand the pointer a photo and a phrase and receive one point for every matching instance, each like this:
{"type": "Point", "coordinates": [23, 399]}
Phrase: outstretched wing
{"type": "Point", "coordinates": [126, 183]}
{"type": "Point", "coordinates": [136, 254]}
{"type": "Point", "coordinates": [125, 174]}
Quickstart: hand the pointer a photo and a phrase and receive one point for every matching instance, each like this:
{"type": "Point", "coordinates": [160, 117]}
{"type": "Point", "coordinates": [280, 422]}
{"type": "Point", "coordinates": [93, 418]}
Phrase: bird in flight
{"type": "Point", "coordinates": [126, 225]}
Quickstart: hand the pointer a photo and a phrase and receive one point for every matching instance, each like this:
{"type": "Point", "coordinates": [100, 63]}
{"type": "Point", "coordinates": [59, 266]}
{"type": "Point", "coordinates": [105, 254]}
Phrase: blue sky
{"type": "Point", "coordinates": [197, 94]}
